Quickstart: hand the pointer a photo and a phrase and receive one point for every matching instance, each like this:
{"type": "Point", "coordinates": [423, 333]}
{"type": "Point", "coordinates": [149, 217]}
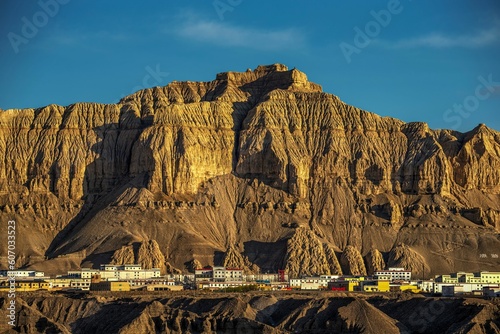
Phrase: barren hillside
{"type": "Point", "coordinates": [250, 313]}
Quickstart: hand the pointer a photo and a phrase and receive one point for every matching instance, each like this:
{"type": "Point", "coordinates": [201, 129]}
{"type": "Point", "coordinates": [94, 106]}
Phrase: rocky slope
{"type": "Point", "coordinates": [260, 163]}
{"type": "Point", "coordinates": [250, 313]}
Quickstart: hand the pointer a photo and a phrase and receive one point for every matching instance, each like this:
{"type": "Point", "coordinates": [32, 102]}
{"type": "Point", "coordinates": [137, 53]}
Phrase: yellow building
{"type": "Point", "coordinates": [60, 283]}
{"type": "Point", "coordinates": [375, 286]}
{"type": "Point", "coordinates": [447, 278]}
{"type": "Point", "coordinates": [404, 287]}
{"type": "Point", "coordinates": [490, 277]}
{"type": "Point", "coordinates": [164, 287]}
{"type": "Point", "coordinates": [110, 286]}
{"type": "Point", "coordinates": [264, 286]}
{"type": "Point", "coordinates": [32, 285]}
{"type": "Point", "coordinates": [354, 278]}
{"type": "Point", "coordinates": [463, 277]}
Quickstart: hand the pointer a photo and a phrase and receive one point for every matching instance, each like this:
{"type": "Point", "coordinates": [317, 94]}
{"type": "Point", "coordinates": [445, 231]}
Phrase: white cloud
{"type": "Point", "coordinates": [438, 40]}
{"type": "Point", "coordinates": [236, 36]}
{"type": "Point", "coordinates": [74, 38]}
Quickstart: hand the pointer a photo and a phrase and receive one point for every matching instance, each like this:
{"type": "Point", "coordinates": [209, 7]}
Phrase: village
{"type": "Point", "coordinates": [132, 277]}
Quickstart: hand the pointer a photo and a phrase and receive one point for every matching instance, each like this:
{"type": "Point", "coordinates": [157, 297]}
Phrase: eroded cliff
{"type": "Point", "coordinates": [260, 169]}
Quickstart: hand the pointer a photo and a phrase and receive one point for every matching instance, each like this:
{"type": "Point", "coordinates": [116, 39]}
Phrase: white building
{"type": "Point", "coordinates": [203, 274]}
{"type": "Point", "coordinates": [313, 282]}
{"type": "Point", "coordinates": [60, 283]}
{"type": "Point", "coordinates": [271, 277]}
{"type": "Point", "coordinates": [461, 287]}
{"type": "Point", "coordinates": [464, 277]}
{"type": "Point", "coordinates": [395, 274]}
{"type": "Point", "coordinates": [129, 274]}
{"type": "Point", "coordinates": [85, 273]}
{"type": "Point", "coordinates": [81, 284]}
{"type": "Point", "coordinates": [116, 272]}
{"type": "Point", "coordinates": [22, 273]}
{"type": "Point", "coordinates": [152, 281]}
{"type": "Point", "coordinates": [219, 274]}
{"type": "Point", "coordinates": [310, 286]}
{"type": "Point", "coordinates": [220, 285]}
{"type": "Point", "coordinates": [122, 267]}
{"type": "Point", "coordinates": [223, 274]}
{"type": "Point", "coordinates": [425, 286]}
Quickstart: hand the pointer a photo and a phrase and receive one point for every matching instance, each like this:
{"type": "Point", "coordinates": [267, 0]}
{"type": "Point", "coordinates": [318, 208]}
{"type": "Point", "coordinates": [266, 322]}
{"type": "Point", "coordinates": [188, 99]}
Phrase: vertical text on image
{"type": "Point", "coordinates": [11, 260]}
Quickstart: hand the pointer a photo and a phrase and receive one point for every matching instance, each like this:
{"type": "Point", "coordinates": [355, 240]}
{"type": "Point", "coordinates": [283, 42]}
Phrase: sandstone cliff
{"type": "Point", "coordinates": [352, 262]}
{"type": "Point", "coordinates": [374, 261]}
{"type": "Point", "coordinates": [261, 159]}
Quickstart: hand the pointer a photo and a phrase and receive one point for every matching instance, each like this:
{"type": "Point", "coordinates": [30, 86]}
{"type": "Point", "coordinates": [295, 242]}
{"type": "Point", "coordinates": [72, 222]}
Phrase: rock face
{"type": "Point", "coordinates": [234, 259]}
{"type": "Point", "coordinates": [148, 254]}
{"type": "Point", "coordinates": [124, 255]}
{"type": "Point", "coordinates": [374, 261]}
{"type": "Point", "coordinates": [403, 256]}
{"type": "Point", "coordinates": [352, 262]}
{"type": "Point", "coordinates": [306, 255]}
{"type": "Point", "coordinates": [255, 159]}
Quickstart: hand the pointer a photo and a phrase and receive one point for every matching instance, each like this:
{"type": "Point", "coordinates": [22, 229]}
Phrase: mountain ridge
{"type": "Point", "coordinates": [248, 159]}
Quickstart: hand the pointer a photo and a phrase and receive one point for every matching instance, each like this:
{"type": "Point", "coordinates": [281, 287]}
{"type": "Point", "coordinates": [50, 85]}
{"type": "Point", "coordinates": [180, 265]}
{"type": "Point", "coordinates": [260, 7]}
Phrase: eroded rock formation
{"type": "Point", "coordinates": [374, 261]}
{"type": "Point", "coordinates": [352, 261]}
{"type": "Point", "coordinates": [306, 255]}
{"type": "Point", "coordinates": [262, 159]}
{"type": "Point", "coordinates": [403, 256]}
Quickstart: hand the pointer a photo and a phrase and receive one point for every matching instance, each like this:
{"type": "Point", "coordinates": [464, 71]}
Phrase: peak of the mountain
{"type": "Point", "coordinates": [228, 86]}
{"type": "Point", "coordinates": [258, 168]}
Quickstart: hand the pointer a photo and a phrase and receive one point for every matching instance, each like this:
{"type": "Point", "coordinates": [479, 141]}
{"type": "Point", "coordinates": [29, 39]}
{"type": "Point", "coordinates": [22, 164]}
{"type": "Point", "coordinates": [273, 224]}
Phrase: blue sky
{"type": "Point", "coordinates": [432, 61]}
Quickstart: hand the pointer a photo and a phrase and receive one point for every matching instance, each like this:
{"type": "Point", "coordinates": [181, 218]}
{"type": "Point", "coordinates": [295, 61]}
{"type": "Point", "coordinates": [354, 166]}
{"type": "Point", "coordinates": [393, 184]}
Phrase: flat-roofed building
{"type": "Point", "coordinates": [162, 287]}
{"type": "Point", "coordinates": [395, 274]}
{"type": "Point", "coordinates": [374, 286]}
{"type": "Point", "coordinates": [110, 286]}
{"type": "Point", "coordinates": [152, 281]}
{"type": "Point", "coordinates": [203, 274]}
{"type": "Point", "coordinates": [342, 285]}
{"type": "Point", "coordinates": [215, 285]}
{"type": "Point", "coordinates": [115, 267]}
{"type": "Point", "coordinates": [32, 285]}
{"type": "Point", "coordinates": [310, 286]}
{"type": "Point", "coordinates": [60, 283]}
{"type": "Point", "coordinates": [271, 277]}
{"type": "Point", "coordinates": [85, 273]}
{"type": "Point", "coordinates": [80, 284]}
{"type": "Point", "coordinates": [22, 273]}
{"type": "Point", "coordinates": [116, 272]}
{"type": "Point", "coordinates": [404, 287]}
{"type": "Point", "coordinates": [130, 274]}
{"type": "Point", "coordinates": [465, 277]}
{"type": "Point", "coordinates": [321, 281]}
{"type": "Point", "coordinates": [465, 287]}
{"type": "Point", "coordinates": [489, 276]}
{"type": "Point", "coordinates": [219, 274]}
{"type": "Point", "coordinates": [223, 274]}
